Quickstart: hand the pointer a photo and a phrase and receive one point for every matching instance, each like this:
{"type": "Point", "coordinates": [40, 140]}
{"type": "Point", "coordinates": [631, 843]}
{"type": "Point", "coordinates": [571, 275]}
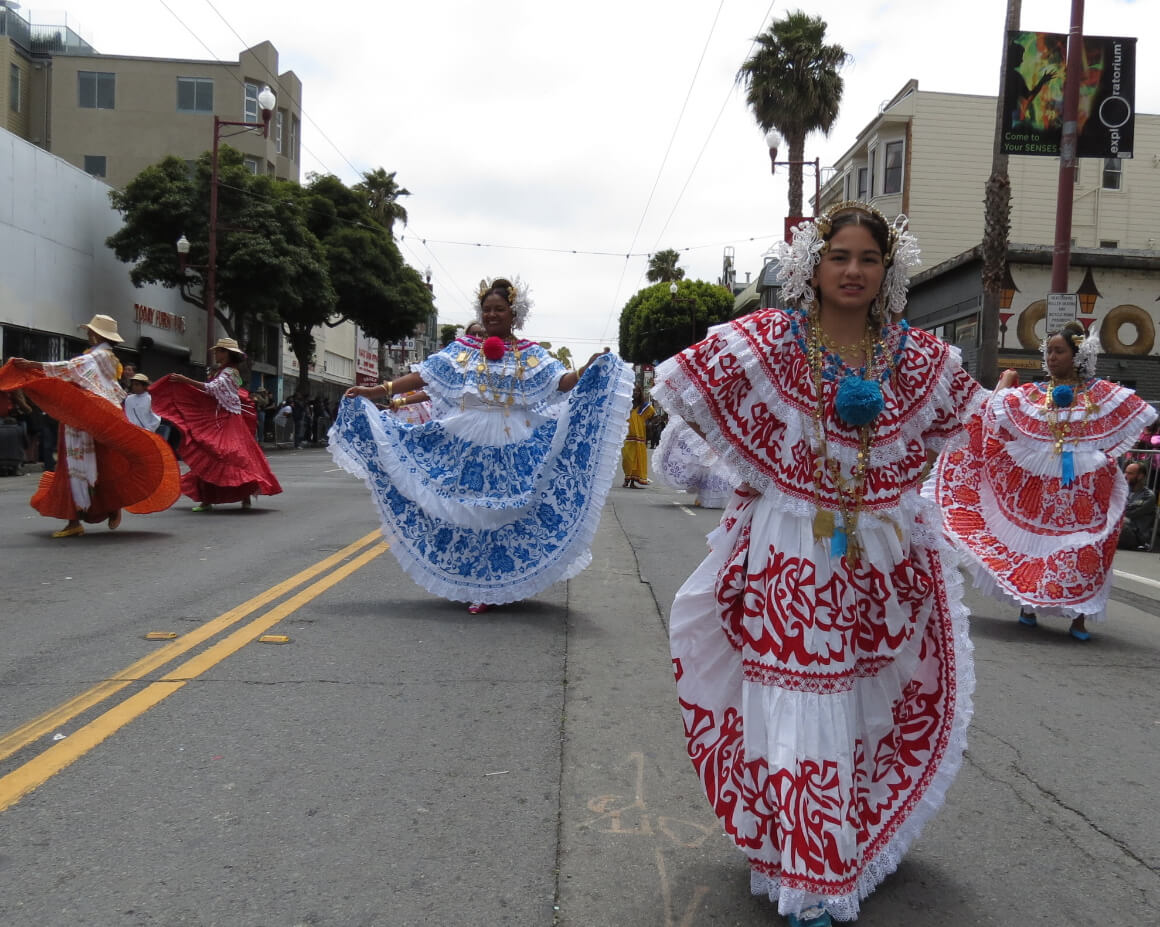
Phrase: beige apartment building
{"type": "Point", "coordinates": [114, 115]}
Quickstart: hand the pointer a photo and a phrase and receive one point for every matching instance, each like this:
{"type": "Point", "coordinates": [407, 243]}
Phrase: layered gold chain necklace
{"type": "Point", "coordinates": [841, 528]}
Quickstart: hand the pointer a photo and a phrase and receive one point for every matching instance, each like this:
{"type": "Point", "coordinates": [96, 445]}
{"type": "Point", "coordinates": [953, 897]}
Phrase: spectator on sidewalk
{"type": "Point", "coordinates": [262, 403]}
{"type": "Point", "coordinates": [298, 413]}
{"type": "Point", "coordinates": [1140, 512]}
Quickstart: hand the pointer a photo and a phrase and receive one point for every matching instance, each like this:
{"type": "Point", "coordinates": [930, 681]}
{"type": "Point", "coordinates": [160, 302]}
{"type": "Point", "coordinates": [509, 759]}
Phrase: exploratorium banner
{"type": "Point", "coordinates": [1033, 101]}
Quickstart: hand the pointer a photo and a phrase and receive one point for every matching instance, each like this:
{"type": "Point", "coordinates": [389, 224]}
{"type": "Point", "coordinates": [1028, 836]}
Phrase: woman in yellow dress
{"type": "Point", "coordinates": [634, 455]}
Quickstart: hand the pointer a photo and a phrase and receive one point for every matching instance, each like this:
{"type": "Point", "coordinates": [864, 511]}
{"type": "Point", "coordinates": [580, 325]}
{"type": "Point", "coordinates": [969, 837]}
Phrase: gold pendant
{"type": "Point", "coordinates": [533, 362]}
{"type": "Point", "coordinates": [823, 524]}
{"type": "Point", "coordinates": [853, 548]}
{"type": "Point", "coordinates": [462, 358]}
{"type": "Point", "coordinates": [483, 388]}
{"type": "Point", "coordinates": [481, 367]}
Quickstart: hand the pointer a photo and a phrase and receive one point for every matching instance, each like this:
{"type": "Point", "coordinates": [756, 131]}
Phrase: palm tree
{"type": "Point", "coordinates": [382, 196]}
{"type": "Point", "coordinates": [996, 225]}
{"type": "Point", "coordinates": [792, 85]}
{"type": "Point", "coordinates": [662, 267]}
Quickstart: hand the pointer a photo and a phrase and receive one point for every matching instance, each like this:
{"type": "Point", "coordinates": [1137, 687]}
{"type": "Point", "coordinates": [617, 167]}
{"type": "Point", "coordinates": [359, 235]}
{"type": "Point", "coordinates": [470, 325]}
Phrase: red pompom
{"type": "Point", "coordinates": [493, 348]}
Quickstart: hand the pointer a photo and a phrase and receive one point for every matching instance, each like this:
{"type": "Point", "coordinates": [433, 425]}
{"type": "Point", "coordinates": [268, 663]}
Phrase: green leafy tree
{"type": "Point", "coordinates": [662, 267]}
{"type": "Point", "coordinates": [792, 85]}
{"type": "Point", "coordinates": [447, 334]}
{"type": "Point", "coordinates": [374, 286]}
{"type": "Point", "coordinates": [270, 266]}
{"type": "Point", "coordinates": [655, 323]}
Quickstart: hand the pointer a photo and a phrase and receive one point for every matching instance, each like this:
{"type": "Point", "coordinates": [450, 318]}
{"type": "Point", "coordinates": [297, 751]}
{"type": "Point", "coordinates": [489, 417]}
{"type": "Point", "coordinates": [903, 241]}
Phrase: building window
{"type": "Point", "coordinates": [95, 165]}
{"type": "Point", "coordinates": [892, 175]}
{"type": "Point", "coordinates": [294, 132]}
{"type": "Point", "coordinates": [862, 175]}
{"type": "Point", "coordinates": [252, 110]}
{"type": "Point", "coordinates": [1113, 174]}
{"type": "Point", "coordinates": [870, 175]}
{"type": "Point", "coordinates": [14, 88]}
{"type": "Point", "coordinates": [251, 165]}
{"type": "Point", "coordinates": [1108, 243]}
{"type": "Point", "coordinates": [279, 127]}
{"type": "Point", "coordinates": [96, 89]}
{"type": "Point", "coordinates": [195, 95]}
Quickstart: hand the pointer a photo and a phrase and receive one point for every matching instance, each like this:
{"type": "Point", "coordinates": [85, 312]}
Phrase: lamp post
{"type": "Point", "coordinates": [692, 310]}
{"type": "Point", "coordinates": [266, 103]}
{"type": "Point", "coordinates": [773, 142]}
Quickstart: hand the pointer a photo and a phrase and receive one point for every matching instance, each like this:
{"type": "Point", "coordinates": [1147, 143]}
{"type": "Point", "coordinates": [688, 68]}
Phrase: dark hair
{"type": "Point", "coordinates": [872, 223]}
{"type": "Point", "coordinates": [1069, 331]}
{"type": "Point", "coordinates": [500, 287]}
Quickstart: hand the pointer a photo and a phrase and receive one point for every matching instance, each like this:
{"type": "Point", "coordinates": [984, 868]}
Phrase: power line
{"type": "Point", "coordinates": [664, 161]}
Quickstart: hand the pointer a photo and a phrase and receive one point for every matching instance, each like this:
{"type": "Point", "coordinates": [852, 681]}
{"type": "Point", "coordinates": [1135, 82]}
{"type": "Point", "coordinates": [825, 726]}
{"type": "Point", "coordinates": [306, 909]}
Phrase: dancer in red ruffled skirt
{"type": "Point", "coordinates": [217, 422]}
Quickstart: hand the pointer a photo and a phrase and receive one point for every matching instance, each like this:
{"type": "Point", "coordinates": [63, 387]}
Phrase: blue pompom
{"type": "Point", "coordinates": [1062, 396]}
{"type": "Point", "coordinates": [859, 401]}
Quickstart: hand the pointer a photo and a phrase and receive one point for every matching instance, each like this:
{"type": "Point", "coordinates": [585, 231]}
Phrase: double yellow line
{"type": "Point", "coordinates": [34, 773]}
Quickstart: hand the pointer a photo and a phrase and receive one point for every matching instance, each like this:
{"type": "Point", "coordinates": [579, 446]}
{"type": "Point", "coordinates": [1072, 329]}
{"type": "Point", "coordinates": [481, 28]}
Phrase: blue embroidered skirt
{"type": "Point", "coordinates": [492, 504]}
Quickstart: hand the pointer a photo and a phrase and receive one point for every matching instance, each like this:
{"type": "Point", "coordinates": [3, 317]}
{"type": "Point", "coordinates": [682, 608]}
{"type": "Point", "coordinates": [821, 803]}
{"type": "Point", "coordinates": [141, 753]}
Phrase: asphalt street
{"type": "Point", "coordinates": [397, 761]}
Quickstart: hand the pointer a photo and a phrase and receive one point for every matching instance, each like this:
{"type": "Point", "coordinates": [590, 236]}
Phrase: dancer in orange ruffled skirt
{"type": "Point", "coordinates": [106, 462]}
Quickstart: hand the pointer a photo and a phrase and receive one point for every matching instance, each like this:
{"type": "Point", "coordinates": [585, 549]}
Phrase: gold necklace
{"type": "Point", "coordinates": [1061, 430]}
{"type": "Point", "coordinates": [486, 386]}
{"type": "Point", "coordinates": [851, 493]}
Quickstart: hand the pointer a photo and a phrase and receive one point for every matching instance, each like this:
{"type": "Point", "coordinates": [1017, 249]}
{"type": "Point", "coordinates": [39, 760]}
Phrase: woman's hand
{"type": "Point", "coordinates": [1008, 379]}
{"type": "Point", "coordinates": [570, 379]}
{"type": "Point", "coordinates": [361, 391]}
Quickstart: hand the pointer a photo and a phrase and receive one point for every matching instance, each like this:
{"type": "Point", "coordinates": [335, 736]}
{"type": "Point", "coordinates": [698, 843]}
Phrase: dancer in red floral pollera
{"type": "Point", "coordinates": [1033, 495]}
{"type": "Point", "coordinates": [823, 665]}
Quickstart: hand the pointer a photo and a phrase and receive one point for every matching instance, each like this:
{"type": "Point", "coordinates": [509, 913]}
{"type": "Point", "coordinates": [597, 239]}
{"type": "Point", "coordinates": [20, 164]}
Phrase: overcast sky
{"type": "Point", "coordinates": [563, 137]}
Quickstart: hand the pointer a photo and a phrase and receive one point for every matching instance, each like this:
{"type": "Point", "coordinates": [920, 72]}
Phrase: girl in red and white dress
{"type": "Point", "coordinates": [217, 421]}
{"type": "Point", "coordinates": [1033, 495]}
{"type": "Point", "coordinates": [821, 652]}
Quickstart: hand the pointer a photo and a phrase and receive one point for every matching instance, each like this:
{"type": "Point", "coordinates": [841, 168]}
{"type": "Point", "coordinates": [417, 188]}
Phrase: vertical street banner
{"type": "Point", "coordinates": [1107, 98]}
{"type": "Point", "coordinates": [1033, 96]}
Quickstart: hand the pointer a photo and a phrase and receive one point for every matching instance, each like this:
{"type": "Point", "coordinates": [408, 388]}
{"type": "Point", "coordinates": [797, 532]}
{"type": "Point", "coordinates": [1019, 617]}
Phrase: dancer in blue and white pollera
{"type": "Point", "coordinates": [499, 495]}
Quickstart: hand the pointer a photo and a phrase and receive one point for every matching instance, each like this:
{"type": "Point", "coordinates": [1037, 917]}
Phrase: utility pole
{"type": "Point", "coordinates": [1061, 254]}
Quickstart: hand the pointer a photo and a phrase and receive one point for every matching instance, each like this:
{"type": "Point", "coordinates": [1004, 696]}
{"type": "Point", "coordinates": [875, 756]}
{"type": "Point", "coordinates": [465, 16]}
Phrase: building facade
{"type": "Point", "coordinates": [112, 116]}
{"type": "Point", "coordinates": [54, 219]}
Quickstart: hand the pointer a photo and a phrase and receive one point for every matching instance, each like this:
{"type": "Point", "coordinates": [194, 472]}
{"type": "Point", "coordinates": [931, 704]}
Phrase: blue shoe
{"type": "Point", "coordinates": [811, 918]}
{"type": "Point", "coordinates": [1027, 619]}
{"type": "Point", "coordinates": [1079, 635]}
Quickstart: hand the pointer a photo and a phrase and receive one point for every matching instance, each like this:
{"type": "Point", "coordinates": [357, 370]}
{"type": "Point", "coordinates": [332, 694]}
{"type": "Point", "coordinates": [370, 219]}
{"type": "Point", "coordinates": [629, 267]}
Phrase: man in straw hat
{"type": "Point", "coordinates": [217, 423]}
{"type": "Point", "coordinates": [108, 464]}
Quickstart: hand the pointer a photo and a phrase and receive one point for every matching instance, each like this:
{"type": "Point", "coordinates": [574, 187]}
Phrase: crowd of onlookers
{"type": "Point", "coordinates": [295, 420]}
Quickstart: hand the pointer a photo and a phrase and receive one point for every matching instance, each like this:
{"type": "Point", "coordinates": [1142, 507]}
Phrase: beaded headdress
{"type": "Point", "coordinates": [517, 295]}
{"type": "Point", "coordinates": [1087, 352]}
{"type": "Point", "coordinates": [799, 259]}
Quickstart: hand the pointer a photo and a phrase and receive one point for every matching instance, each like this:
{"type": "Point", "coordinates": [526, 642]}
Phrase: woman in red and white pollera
{"type": "Point", "coordinates": [821, 652]}
{"type": "Point", "coordinates": [1034, 496]}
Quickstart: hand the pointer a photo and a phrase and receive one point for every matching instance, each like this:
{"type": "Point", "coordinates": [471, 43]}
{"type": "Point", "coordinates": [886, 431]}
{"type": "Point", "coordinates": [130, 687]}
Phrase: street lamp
{"type": "Point", "coordinates": [266, 103]}
{"type": "Point", "coordinates": [773, 142]}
